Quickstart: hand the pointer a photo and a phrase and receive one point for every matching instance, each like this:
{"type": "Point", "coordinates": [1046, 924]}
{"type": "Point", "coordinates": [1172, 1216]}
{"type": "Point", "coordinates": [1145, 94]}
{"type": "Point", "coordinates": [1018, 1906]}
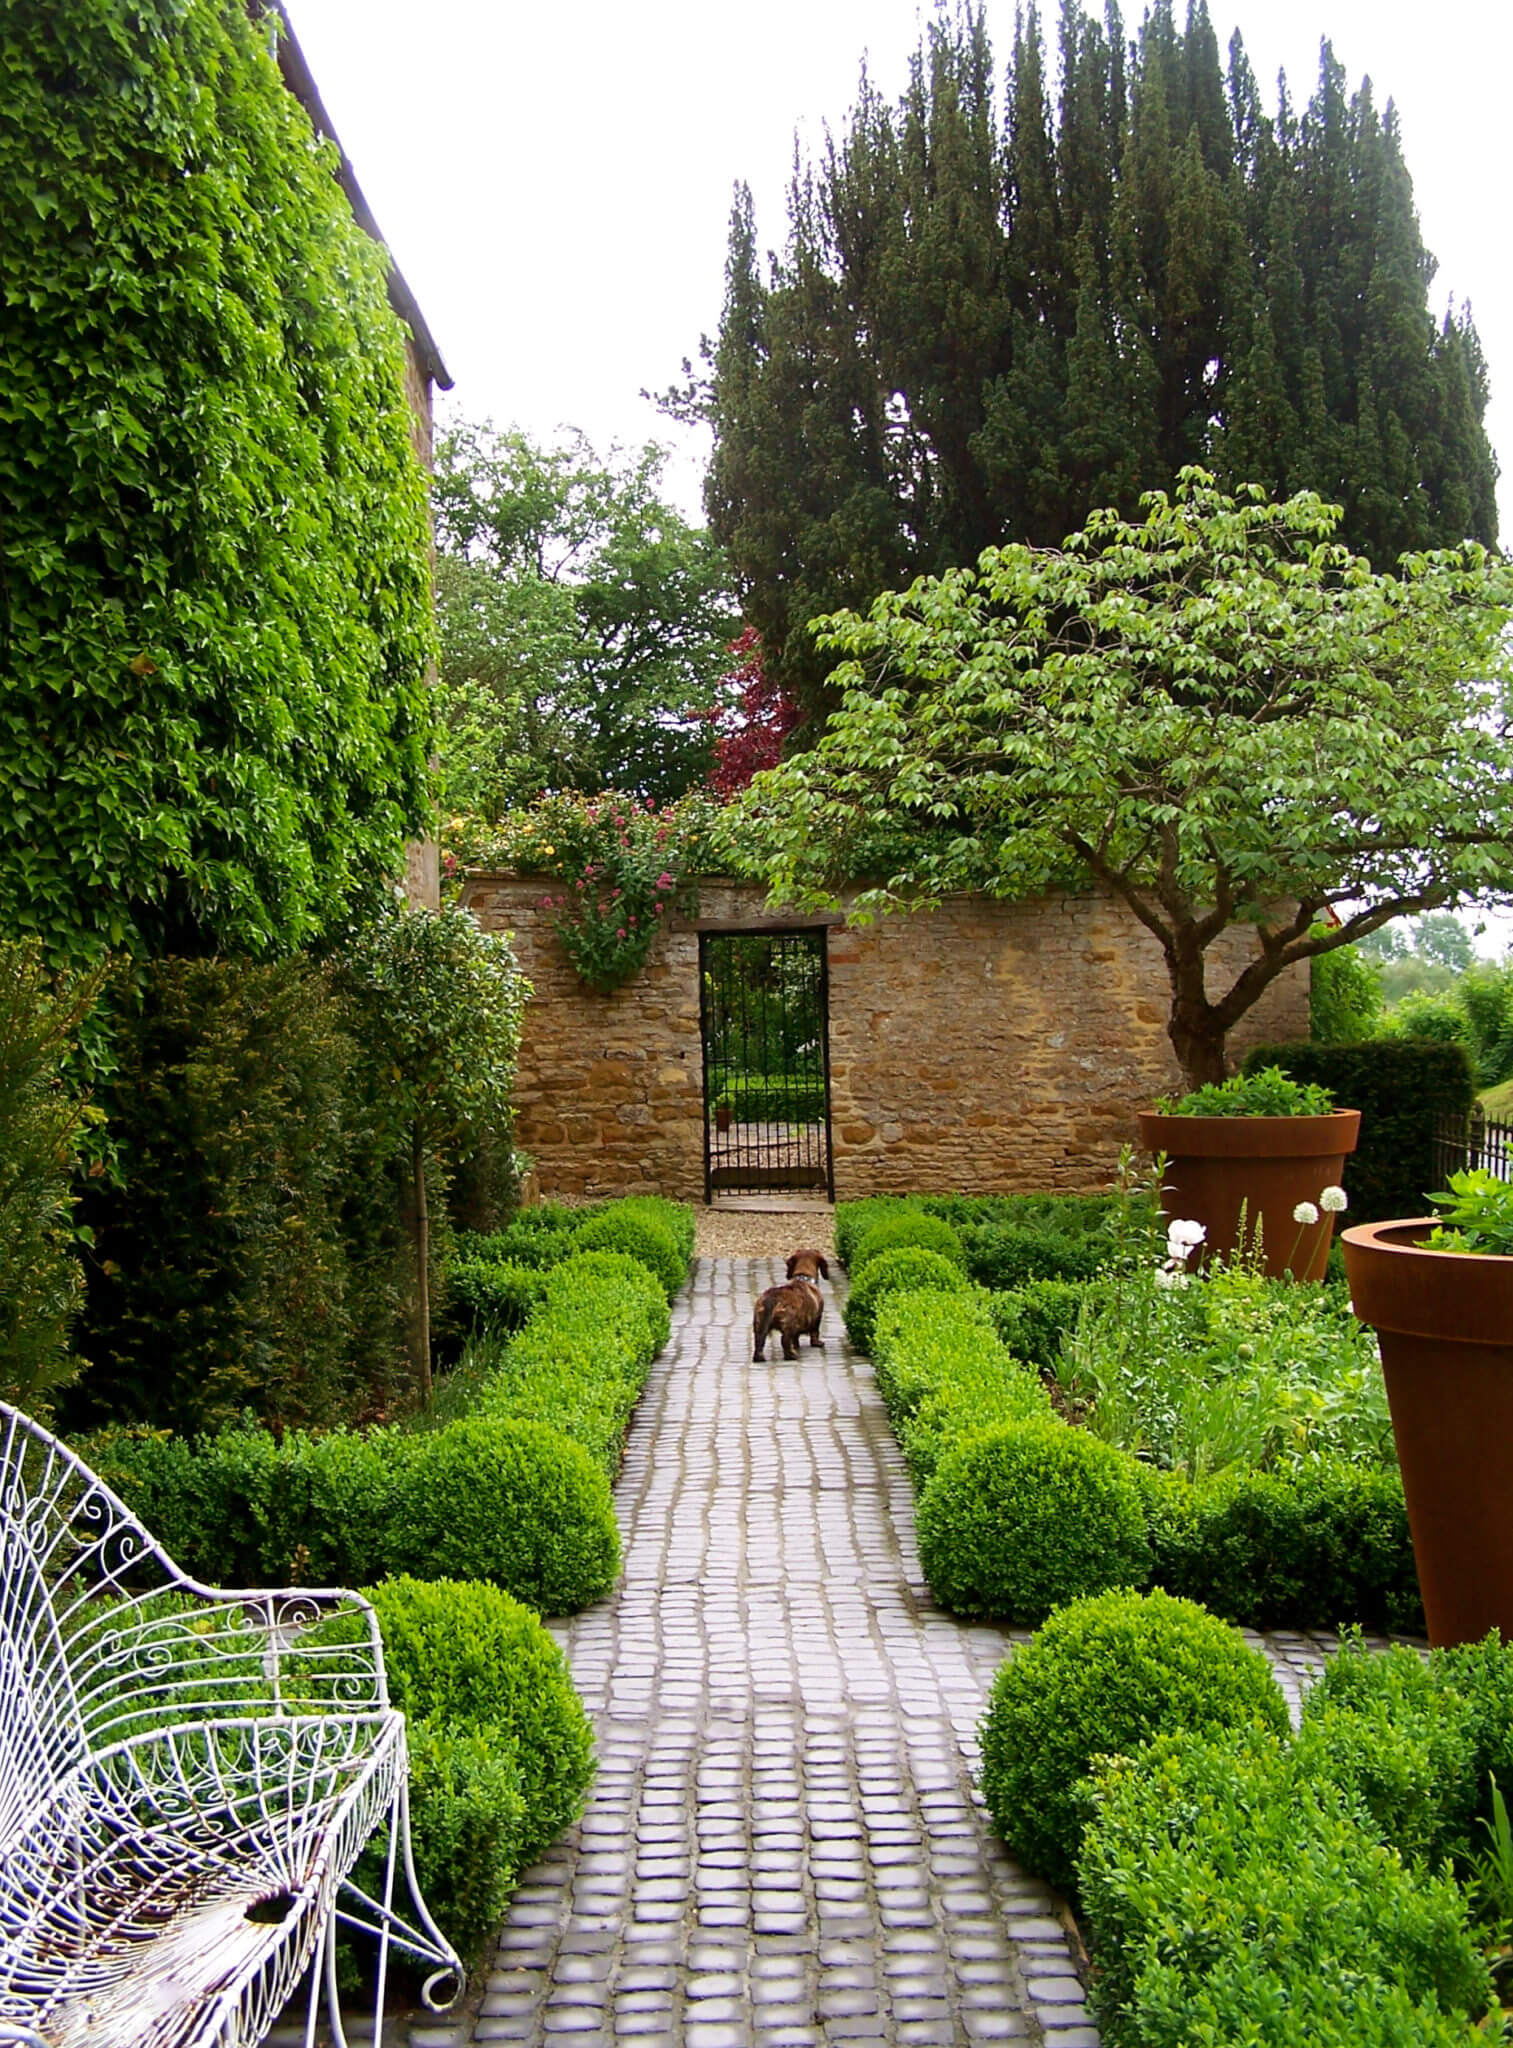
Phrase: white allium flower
{"type": "Point", "coordinates": [1334, 1200]}
{"type": "Point", "coordinates": [1305, 1212]}
{"type": "Point", "coordinates": [1166, 1278]}
{"type": "Point", "coordinates": [1183, 1231]}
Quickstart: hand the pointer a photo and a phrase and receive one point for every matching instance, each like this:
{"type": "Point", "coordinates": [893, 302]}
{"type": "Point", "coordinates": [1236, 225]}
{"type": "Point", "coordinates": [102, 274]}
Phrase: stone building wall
{"type": "Point", "coordinates": [983, 1047]}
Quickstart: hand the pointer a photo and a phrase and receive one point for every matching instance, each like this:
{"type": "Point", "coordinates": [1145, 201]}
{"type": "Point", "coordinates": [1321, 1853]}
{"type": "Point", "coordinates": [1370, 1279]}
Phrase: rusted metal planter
{"type": "Point", "coordinates": [1266, 1164]}
{"type": "Point", "coordinates": [1445, 1324]}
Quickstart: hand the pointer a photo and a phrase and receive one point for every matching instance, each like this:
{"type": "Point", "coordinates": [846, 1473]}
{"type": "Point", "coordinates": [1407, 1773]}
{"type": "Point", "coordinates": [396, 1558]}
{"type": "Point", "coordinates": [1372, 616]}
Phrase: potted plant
{"type": "Point", "coordinates": [722, 1113]}
{"type": "Point", "coordinates": [1438, 1291]}
{"type": "Point", "coordinates": [1253, 1155]}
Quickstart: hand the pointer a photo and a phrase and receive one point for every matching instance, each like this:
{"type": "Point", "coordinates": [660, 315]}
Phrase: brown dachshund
{"type": "Point", "coordinates": [794, 1309]}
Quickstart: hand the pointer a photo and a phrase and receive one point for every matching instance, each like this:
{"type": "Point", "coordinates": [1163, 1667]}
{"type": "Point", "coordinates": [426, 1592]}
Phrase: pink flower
{"type": "Point", "coordinates": [664, 880]}
{"type": "Point", "coordinates": [620, 934]}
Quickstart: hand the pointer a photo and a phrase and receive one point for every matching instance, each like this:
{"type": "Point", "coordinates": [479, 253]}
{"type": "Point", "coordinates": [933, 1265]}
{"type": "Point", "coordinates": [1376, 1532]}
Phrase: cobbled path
{"type": "Point", "coordinates": [784, 1846]}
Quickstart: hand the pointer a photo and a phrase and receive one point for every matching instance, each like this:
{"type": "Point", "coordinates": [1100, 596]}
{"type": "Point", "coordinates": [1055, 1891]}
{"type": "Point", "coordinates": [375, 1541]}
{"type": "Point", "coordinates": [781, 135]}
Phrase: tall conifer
{"type": "Point", "coordinates": [1002, 304]}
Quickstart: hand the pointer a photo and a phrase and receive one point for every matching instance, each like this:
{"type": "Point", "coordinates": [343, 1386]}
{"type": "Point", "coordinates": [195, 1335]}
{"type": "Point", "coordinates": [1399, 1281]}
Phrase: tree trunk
{"type": "Point", "coordinates": [1197, 1028]}
{"type": "Point", "coordinates": [420, 1334]}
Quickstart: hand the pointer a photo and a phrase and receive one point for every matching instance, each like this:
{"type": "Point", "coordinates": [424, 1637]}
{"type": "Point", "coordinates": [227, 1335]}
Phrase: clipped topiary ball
{"type": "Point", "coordinates": [613, 1231]}
{"type": "Point", "coordinates": [910, 1268]}
{"type": "Point", "coordinates": [466, 1653]}
{"type": "Point", "coordinates": [516, 1503]}
{"type": "Point", "coordinates": [893, 1232]}
{"type": "Point", "coordinates": [1103, 1676]}
{"type": "Point", "coordinates": [1022, 1517]}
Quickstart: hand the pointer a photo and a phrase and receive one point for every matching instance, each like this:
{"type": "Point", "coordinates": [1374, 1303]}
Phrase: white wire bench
{"type": "Point", "coordinates": [187, 1779]}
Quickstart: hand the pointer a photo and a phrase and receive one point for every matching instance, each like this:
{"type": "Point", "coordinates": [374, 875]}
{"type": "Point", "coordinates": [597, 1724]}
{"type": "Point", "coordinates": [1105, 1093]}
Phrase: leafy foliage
{"type": "Point", "coordinates": [469, 1655]}
{"type": "Point", "coordinates": [1403, 1091]}
{"type": "Point", "coordinates": [641, 1239]}
{"type": "Point", "coordinates": [1235, 1893]}
{"type": "Point", "coordinates": [1101, 1678]}
{"type": "Point", "coordinates": [468, 1819]}
{"type": "Point", "coordinates": [246, 1253]}
{"type": "Point", "coordinates": [944, 1375]}
{"type": "Point", "coordinates": [993, 315]}
{"type": "Point", "coordinates": [1344, 996]}
{"type": "Point", "coordinates": [43, 1127]}
{"type": "Point", "coordinates": [1019, 1518]}
{"type": "Point", "coordinates": [1476, 1213]}
{"type": "Point", "coordinates": [914, 1267]}
{"type": "Point", "coordinates": [1230, 1369]}
{"type": "Point", "coordinates": [1216, 713]}
{"type": "Point", "coordinates": [216, 613]}
{"type": "Point", "coordinates": [584, 625]}
{"type": "Point", "coordinates": [916, 1228]}
{"type": "Point", "coordinates": [750, 734]}
{"type": "Point", "coordinates": [1259, 1091]}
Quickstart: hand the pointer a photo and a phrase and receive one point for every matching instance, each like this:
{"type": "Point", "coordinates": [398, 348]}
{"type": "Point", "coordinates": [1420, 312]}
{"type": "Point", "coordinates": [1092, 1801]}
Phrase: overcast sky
{"type": "Point", "coordinates": [555, 181]}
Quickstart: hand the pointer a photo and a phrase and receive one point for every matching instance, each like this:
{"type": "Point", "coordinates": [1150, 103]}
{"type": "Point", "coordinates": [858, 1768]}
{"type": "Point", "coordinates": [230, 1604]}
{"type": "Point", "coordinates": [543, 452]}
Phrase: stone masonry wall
{"type": "Point", "coordinates": [983, 1047]}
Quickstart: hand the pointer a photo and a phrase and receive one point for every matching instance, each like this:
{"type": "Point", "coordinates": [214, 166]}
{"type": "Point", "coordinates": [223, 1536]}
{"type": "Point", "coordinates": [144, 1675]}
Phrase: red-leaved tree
{"type": "Point", "coordinates": [751, 734]}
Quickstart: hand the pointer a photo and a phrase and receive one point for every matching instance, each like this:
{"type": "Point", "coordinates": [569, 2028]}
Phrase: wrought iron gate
{"type": "Point", "coordinates": [765, 1016]}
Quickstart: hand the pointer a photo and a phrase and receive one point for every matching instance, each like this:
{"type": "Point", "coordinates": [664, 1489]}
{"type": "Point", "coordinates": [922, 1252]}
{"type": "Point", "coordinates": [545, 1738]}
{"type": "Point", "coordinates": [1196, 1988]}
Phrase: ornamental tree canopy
{"type": "Point", "coordinates": [1217, 712]}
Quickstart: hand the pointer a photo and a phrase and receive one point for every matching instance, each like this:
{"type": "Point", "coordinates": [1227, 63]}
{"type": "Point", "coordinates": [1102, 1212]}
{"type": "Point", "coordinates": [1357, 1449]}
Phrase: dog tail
{"type": "Point", "coordinates": [761, 1325]}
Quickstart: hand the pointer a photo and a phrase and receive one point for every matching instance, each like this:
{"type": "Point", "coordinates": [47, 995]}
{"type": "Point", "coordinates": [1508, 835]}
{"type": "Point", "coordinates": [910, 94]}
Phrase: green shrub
{"type": "Point", "coordinates": [892, 1232]}
{"type": "Point", "coordinates": [42, 1130]}
{"type": "Point", "coordinates": [854, 1219]}
{"type": "Point", "coordinates": [775, 1098]}
{"type": "Point", "coordinates": [1403, 1090]}
{"type": "Point", "coordinates": [513, 1502]}
{"type": "Point", "coordinates": [1008, 1256]}
{"type": "Point", "coordinates": [251, 1255]}
{"type": "Point", "coordinates": [911, 1268]}
{"type": "Point", "coordinates": [1306, 1549]}
{"type": "Point", "coordinates": [468, 1655]}
{"type": "Point", "coordinates": [1344, 997]}
{"type": "Point", "coordinates": [1102, 1677]}
{"type": "Point", "coordinates": [538, 1237]}
{"type": "Point", "coordinates": [944, 1374]}
{"type": "Point", "coordinates": [615, 1230]}
{"type": "Point", "coordinates": [676, 1218]}
{"type": "Point", "coordinates": [468, 1818]}
{"type": "Point", "coordinates": [1398, 1739]}
{"type": "Point", "coordinates": [616, 1291]}
{"type": "Point", "coordinates": [1255, 1091]}
{"type": "Point", "coordinates": [1023, 1517]}
{"type": "Point", "coordinates": [487, 1294]}
{"type": "Point", "coordinates": [1035, 1319]}
{"type": "Point", "coordinates": [1233, 1894]}
{"type": "Point", "coordinates": [582, 1362]}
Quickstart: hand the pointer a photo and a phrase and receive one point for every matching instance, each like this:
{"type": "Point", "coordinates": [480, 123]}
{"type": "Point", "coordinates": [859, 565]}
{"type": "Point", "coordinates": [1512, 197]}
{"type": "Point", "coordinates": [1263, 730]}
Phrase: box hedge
{"type": "Point", "coordinates": [1404, 1089]}
{"type": "Point", "coordinates": [915, 1228]}
{"type": "Point", "coordinates": [1022, 1517]}
{"type": "Point", "coordinates": [621, 1229]}
{"type": "Point", "coordinates": [1102, 1677]}
{"type": "Point", "coordinates": [467, 1654]}
{"type": "Point", "coordinates": [1007, 1255]}
{"type": "Point", "coordinates": [1326, 1544]}
{"type": "Point", "coordinates": [1035, 1319]}
{"type": "Point", "coordinates": [1233, 1893]}
{"type": "Point", "coordinates": [944, 1372]}
{"type": "Point", "coordinates": [911, 1268]}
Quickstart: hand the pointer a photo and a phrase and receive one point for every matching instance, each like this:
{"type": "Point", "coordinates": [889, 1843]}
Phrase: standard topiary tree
{"type": "Point", "coordinates": [1022, 1517]}
{"type": "Point", "coordinates": [217, 615]}
{"type": "Point", "coordinates": [1103, 1676]}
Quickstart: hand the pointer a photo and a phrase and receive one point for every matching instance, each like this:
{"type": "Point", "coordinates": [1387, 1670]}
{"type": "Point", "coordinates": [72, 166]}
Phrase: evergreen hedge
{"type": "Point", "coordinates": [1404, 1088]}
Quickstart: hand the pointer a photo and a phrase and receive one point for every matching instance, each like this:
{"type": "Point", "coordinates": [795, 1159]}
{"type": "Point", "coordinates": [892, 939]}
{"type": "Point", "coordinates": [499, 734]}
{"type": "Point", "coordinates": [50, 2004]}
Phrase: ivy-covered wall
{"type": "Point", "coordinates": [214, 603]}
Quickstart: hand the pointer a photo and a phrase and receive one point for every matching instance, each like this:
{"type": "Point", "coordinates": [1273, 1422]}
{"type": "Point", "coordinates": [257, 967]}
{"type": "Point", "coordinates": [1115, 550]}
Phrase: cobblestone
{"type": "Point", "coordinates": [785, 1845]}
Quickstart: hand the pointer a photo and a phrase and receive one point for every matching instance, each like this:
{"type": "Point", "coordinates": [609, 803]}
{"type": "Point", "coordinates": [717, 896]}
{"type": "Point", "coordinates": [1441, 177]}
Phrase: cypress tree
{"type": "Point", "coordinates": [997, 308]}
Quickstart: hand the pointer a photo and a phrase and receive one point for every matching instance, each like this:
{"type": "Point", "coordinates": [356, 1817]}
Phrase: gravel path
{"type": "Point", "coordinates": [764, 1234]}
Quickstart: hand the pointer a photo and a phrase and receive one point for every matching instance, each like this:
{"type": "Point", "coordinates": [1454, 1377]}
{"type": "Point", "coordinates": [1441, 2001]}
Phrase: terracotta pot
{"type": "Point", "coordinates": [1268, 1164]}
{"type": "Point", "coordinates": [722, 1116]}
{"type": "Point", "coordinates": [1445, 1324]}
